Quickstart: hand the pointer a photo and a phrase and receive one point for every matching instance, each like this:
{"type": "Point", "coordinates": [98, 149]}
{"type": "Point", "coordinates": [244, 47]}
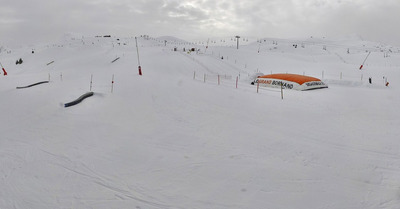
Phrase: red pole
{"type": "Point", "coordinates": [362, 65]}
{"type": "Point", "coordinates": [4, 70]}
{"type": "Point", "coordinates": [137, 51]}
{"type": "Point", "coordinates": [140, 70]}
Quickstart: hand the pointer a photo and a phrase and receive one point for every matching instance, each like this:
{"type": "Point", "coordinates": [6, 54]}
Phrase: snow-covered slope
{"type": "Point", "coordinates": [175, 138]}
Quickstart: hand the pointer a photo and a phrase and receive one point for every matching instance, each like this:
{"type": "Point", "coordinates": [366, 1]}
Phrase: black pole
{"type": "Point", "coordinates": [237, 38]}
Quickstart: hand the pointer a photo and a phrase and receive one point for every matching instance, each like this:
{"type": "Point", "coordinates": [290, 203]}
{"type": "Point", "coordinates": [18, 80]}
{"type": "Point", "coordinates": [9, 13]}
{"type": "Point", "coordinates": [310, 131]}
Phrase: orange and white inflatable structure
{"type": "Point", "coordinates": [290, 81]}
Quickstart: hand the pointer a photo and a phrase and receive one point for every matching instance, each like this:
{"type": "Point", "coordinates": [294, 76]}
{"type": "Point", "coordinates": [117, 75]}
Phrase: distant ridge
{"type": "Point", "coordinates": [171, 39]}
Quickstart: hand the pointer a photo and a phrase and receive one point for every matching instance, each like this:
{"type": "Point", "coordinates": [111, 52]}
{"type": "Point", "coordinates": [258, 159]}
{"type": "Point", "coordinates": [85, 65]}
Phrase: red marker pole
{"type": "Point", "coordinates": [137, 50]}
{"type": "Point", "coordinates": [362, 65]}
{"type": "Point", "coordinates": [4, 71]}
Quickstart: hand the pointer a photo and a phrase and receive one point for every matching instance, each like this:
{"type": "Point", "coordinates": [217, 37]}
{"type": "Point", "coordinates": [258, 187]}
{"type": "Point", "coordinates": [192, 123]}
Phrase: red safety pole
{"type": "Point", "coordinates": [362, 65]}
{"type": "Point", "coordinates": [4, 70]}
{"type": "Point", "coordinates": [137, 50]}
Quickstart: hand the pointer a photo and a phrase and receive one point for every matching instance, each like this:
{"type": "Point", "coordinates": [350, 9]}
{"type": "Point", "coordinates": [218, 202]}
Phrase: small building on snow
{"type": "Point", "coordinates": [290, 81]}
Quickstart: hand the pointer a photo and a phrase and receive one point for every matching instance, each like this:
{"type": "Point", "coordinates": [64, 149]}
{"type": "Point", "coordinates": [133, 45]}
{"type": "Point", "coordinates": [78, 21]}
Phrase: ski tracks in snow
{"type": "Point", "coordinates": [214, 67]}
{"type": "Point", "coordinates": [120, 192]}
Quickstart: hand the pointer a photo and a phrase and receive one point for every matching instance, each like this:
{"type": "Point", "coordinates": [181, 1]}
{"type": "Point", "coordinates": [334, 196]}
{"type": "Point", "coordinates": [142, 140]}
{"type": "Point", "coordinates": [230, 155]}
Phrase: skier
{"type": "Point", "coordinates": [370, 80]}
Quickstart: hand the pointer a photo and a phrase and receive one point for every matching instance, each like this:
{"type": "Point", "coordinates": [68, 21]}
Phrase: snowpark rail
{"type": "Point", "coordinates": [23, 87]}
{"type": "Point", "coordinates": [115, 59]}
{"type": "Point", "coordinates": [80, 99]}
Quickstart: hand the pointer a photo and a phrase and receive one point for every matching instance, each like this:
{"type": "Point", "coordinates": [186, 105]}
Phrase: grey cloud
{"type": "Point", "coordinates": [44, 20]}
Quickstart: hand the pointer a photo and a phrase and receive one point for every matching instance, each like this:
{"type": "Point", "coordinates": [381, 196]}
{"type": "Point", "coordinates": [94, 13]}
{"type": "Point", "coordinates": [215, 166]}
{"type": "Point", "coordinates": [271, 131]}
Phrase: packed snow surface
{"type": "Point", "coordinates": [182, 136]}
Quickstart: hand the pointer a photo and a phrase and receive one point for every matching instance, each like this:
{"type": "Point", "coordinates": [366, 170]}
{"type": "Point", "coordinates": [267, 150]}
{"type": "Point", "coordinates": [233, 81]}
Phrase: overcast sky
{"type": "Point", "coordinates": [35, 21]}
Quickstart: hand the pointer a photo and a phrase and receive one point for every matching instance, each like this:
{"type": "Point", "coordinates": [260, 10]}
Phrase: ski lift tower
{"type": "Point", "coordinates": [237, 39]}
